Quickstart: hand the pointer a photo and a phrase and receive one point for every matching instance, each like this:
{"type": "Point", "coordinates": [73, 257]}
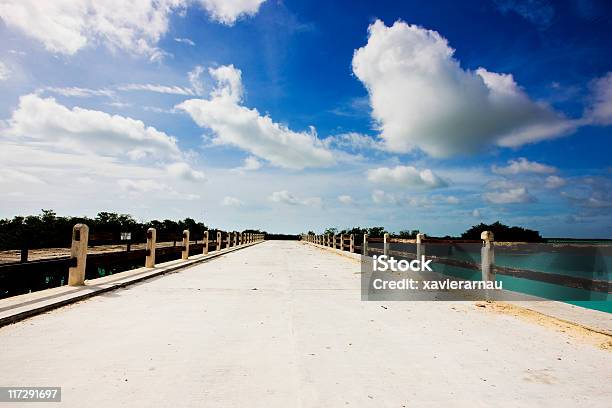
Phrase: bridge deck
{"type": "Point", "coordinates": [281, 324]}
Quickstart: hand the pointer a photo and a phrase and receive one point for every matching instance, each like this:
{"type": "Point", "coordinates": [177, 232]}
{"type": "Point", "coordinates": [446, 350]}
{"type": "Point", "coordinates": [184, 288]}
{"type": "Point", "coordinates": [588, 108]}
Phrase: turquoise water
{"type": "Point", "coordinates": [593, 262]}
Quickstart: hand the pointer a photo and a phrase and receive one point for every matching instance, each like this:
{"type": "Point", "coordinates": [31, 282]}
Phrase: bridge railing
{"type": "Point", "coordinates": [462, 256]}
{"type": "Point", "coordinates": [85, 262]}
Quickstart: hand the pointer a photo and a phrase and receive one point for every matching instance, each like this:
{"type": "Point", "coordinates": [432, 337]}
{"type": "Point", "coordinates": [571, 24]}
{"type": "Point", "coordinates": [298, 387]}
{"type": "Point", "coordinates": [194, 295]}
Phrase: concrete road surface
{"type": "Point", "coordinates": [281, 324]}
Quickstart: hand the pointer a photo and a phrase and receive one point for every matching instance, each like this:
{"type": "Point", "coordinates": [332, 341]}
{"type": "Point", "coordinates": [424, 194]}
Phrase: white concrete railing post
{"type": "Point", "coordinates": [342, 242]}
{"type": "Point", "coordinates": [386, 244]}
{"type": "Point", "coordinates": [151, 239]}
{"type": "Point", "coordinates": [420, 245]}
{"type": "Point", "coordinates": [78, 254]}
{"type": "Point", "coordinates": [205, 247]}
{"type": "Point", "coordinates": [218, 246]}
{"type": "Point", "coordinates": [334, 243]}
{"type": "Point", "coordinates": [364, 246]}
{"type": "Point", "coordinates": [352, 244]}
{"type": "Point", "coordinates": [487, 256]}
{"type": "Point", "coordinates": [185, 251]}
{"type": "Point", "coordinates": [235, 239]}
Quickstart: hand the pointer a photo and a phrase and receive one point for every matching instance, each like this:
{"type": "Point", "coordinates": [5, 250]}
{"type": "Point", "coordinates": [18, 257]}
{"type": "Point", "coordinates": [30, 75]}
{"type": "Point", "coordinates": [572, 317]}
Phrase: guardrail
{"type": "Point", "coordinates": [382, 246]}
{"type": "Point", "coordinates": [28, 276]}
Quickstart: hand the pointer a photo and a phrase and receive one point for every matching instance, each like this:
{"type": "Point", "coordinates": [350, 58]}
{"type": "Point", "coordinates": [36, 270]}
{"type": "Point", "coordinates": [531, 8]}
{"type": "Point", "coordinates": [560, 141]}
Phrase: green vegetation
{"type": "Point", "coordinates": [501, 232]}
{"type": "Point", "coordinates": [47, 230]}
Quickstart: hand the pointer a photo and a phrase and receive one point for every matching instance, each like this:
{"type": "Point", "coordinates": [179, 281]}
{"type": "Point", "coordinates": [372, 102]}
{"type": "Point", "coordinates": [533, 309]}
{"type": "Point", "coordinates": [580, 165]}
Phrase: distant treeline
{"type": "Point", "coordinates": [500, 231]}
{"type": "Point", "coordinates": [47, 230]}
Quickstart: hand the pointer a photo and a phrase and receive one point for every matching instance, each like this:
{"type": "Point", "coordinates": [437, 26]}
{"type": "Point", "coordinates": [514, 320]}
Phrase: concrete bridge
{"type": "Point", "coordinates": [281, 324]}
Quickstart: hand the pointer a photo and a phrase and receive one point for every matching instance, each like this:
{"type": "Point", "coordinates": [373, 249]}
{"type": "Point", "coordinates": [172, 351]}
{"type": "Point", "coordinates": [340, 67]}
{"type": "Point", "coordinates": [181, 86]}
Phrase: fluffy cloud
{"type": "Point", "coordinates": [194, 79]}
{"type": "Point", "coordinates": [66, 26]}
{"type": "Point", "coordinates": [286, 197]}
{"type": "Point", "coordinates": [523, 165]}
{"type": "Point", "coordinates": [422, 98]}
{"type": "Point", "coordinates": [46, 122]}
{"type": "Point", "coordinates": [600, 111]}
{"type": "Point", "coordinates": [510, 196]}
{"type": "Point", "coordinates": [141, 186]}
{"type": "Point", "coordinates": [405, 176]}
{"type": "Point", "coordinates": [184, 41]}
{"type": "Point", "coordinates": [553, 182]}
{"type": "Point", "coordinates": [237, 125]}
{"type": "Point", "coordinates": [231, 202]}
{"type": "Point", "coordinates": [432, 200]}
{"type": "Point", "coordinates": [346, 199]}
{"type": "Point", "coordinates": [228, 11]}
{"type": "Point", "coordinates": [185, 172]}
{"type": "Point", "coordinates": [17, 176]}
{"type": "Point", "coordinates": [5, 72]}
{"type": "Point", "coordinates": [250, 164]}
{"type": "Point", "coordinates": [382, 197]}
{"type": "Point", "coordinates": [136, 187]}
{"type": "Point", "coordinates": [69, 25]}
{"type": "Point", "coordinates": [353, 141]}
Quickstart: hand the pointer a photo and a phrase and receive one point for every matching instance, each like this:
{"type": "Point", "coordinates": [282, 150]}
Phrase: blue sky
{"type": "Point", "coordinates": [295, 116]}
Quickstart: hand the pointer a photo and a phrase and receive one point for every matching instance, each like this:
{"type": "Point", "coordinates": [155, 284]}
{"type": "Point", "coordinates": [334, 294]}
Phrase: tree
{"type": "Point", "coordinates": [503, 232]}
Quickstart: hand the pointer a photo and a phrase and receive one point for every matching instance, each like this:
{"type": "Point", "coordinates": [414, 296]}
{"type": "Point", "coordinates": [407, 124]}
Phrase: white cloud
{"type": "Point", "coordinates": [476, 213]}
{"type": "Point", "coordinates": [138, 187]}
{"type": "Point", "coordinates": [422, 98]}
{"type": "Point", "coordinates": [600, 111]}
{"type": "Point", "coordinates": [17, 176]}
{"type": "Point", "coordinates": [183, 171]}
{"type": "Point", "coordinates": [141, 186]}
{"type": "Point", "coordinates": [231, 202]}
{"type": "Point", "coordinates": [523, 165]}
{"type": "Point", "coordinates": [405, 176]}
{"type": "Point", "coordinates": [503, 184]}
{"type": "Point", "coordinates": [451, 200]}
{"type": "Point", "coordinates": [346, 199]}
{"type": "Point", "coordinates": [165, 89]}
{"type": "Point", "coordinates": [5, 72]}
{"type": "Point", "coordinates": [540, 13]}
{"type": "Point", "coordinates": [46, 122]}
{"type": "Point", "coordinates": [228, 11]}
{"type": "Point", "coordinates": [432, 200]}
{"type": "Point", "coordinates": [194, 79]}
{"type": "Point", "coordinates": [353, 141]}
{"type": "Point", "coordinates": [382, 197]}
{"type": "Point", "coordinates": [285, 197]}
{"type": "Point", "coordinates": [185, 41]}
{"type": "Point", "coordinates": [511, 196]}
{"type": "Point", "coordinates": [245, 128]}
{"type": "Point", "coordinates": [67, 26]}
{"type": "Point", "coordinates": [553, 182]}
{"type": "Point", "coordinates": [79, 92]}
{"type": "Point", "coordinates": [250, 164]}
